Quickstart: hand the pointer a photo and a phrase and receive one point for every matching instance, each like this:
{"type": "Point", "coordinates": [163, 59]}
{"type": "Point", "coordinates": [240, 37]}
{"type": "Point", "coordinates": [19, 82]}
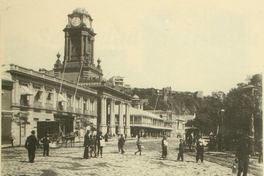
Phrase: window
{"type": "Point", "coordinates": [77, 102]}
{"type": "Point", "coordinates": [49, 98]}
{"type": "Point", "coordinates": [60, 106]}
{"type": "Point", "coordinates": [35, 122]}
{"type": "Point", "coordinates": [24, 100]}
{"type": "Point", "coordinates": [25, 92]}
{"type": "Point", "coordinates": [84, 105]}
{"type": "Point", "coordinates": [38, 96]}
{"type": "Point", "coordinates": [92, 105]}
{"type": "Point", "coordinates": [69, 100]}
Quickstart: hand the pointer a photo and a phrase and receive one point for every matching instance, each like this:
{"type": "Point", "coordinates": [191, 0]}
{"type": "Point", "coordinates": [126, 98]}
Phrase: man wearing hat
{"type": "Point", "coordinates": [46, 141]}
{"type": "Point", "coordinates": [243, 154]}
{"type": "Point", "coordinates": [31, 145]}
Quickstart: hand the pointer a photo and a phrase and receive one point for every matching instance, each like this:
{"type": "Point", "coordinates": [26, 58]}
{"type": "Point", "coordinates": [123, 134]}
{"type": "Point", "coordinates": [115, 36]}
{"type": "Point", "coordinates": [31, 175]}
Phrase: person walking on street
{"type": "Point", "coordinates": [101, 141]}
{"type": "Point", "coordinates": [139, 146]}
{"type": "Point", "coordinates": [12, 138]}
{"type": "Point", "coordinates": [31, 145]}
{"type": "Point", "coordinates": [95, 144]}
{"type": "Point", "coordinates": [121, 143]}
{"type": "Point", "coordinates": [45, 142]}
{"type": "Point", "coordinates": [200, 149]}
{"type": "Point", "coordinates": [91, 146]}
{"type": "Point", "coordinates": [106, 137]}
{"type": "Point", "coordinates": [243, 154]}
{"type": "Point", "coordinates": [181, 149]}
{"type": "Point", "coordinates": [164, 145]}
{"type": "Point", "coordinates": [86, 145]}
{"type": "Point", "coordinates": [118, 144]}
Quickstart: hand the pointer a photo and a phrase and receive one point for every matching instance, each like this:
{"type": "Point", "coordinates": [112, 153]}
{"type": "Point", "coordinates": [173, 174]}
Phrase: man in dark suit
{"type": "Point", "coordinates": [46, 142]}
{"type": "Point", "coordinates": [31, 145]}
{"type": "Point", "coordinates": [121, 143]}
{"type": "Point", "coordinates": [243, 154]}
{"type": "Point", "coordinates": [86, 145]}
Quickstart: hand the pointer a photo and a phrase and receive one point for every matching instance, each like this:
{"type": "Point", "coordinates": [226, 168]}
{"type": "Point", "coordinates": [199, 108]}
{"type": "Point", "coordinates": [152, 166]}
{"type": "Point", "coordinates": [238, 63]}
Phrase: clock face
{"type": "Point", "coordinates": [76, 21]}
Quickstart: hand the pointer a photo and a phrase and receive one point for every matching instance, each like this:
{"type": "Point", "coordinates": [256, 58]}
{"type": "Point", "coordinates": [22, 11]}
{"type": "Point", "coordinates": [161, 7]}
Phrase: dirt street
{"type": "Point", "coordinates": [69, 161]}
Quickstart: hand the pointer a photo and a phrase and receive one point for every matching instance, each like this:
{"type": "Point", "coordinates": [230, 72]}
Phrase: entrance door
{"type": "Point", "coordinates": [6, 129]}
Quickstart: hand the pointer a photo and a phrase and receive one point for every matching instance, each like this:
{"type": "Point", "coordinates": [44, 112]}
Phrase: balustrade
{"type": "Point", "coordinates": [37, 104]}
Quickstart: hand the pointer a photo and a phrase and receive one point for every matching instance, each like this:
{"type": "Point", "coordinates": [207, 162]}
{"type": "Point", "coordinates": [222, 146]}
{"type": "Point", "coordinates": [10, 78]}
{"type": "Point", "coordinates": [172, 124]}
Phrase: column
{"type": "Point", "coordinates": [127, 127]}
{"type": "Point", "coordinates": [82, 47]}
{"type": "Point", "coordinates": [54, 99]}
{"type": "Point", "coordinates": [66, 46]}
{"type": "Point", "coordinates": [103, 127]}
{"type": "Point", "coordinates": [92, 48]}
{"type": "Point", "coordinates": [44, 97]}
{"type": "Point", "coordinates": [69, 48]}
{"type": "Point", "coordinates": [112, 116]}
{"type": "Point", "coordinates": [120, 119]}
{"type": "Point", "coordinates": [74, 105]}
{"type": "Point", "coordinates": [16, 93]}
{"type": "Point", "coordinates": [81, 105]}
{"type": "Point", "coordinates": [30, 97]}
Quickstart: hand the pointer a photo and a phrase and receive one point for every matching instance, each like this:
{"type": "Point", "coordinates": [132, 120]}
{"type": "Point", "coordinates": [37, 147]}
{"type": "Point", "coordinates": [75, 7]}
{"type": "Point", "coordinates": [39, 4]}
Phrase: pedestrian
{"type": "Point", "coordinates": [31, 145]}
{"type": "Point", "coordinates": [45, 141]}
{"type": "Point", "coordinates": [200, 149]}
{"type": "Point", "coordinates": [121, 143]}
{"type": "Point", "coordinates": [260, 158]}
{"type": "Point", "coordinates": [91, 146]}
{"type": "Point", "coordinates": [106, 137]}
{"type": "Point", "coordinates": [86, 145]}
{"type": "Point", "coordinates": [12, 138]}
{"type": "Point", "coordinates": [139, 146]}
{"type": "Point", "coordinates": [95, 145]}
{"type": "Point", "coordinates": [243, 154]}
{"type": "Point", "coordinates": [164, 145]}
{"type": "Point", "coordinates": [118, 144]}
{"type": "Point", "coordinates": [101, 141]}
{"type": "Point", "coordinates": [190, 142]}
{"type": "Point", "coordinates": [181, 149]}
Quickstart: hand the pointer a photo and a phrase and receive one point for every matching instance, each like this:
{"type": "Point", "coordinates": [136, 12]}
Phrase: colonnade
{"type": "Point", "coordinates": [114, 116]}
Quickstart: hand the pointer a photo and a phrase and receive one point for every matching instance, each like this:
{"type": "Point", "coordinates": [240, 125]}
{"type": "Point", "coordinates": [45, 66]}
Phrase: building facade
{"type": "Point", "coordinates": [38, 97]}
{"type": "Point", "coordinates": [147, 124]}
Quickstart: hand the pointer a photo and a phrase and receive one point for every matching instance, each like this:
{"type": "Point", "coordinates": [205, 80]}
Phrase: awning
{"type": "Point", "coordinates": [150, 126]}
{"type": "Point", "coordinates": [25, 91]}
{"type": "Point", "coordinates": [61, 98]}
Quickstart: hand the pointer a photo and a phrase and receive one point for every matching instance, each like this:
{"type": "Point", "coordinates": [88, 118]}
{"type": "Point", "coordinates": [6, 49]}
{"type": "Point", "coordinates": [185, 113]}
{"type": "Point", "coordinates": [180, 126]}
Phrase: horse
{"type": "Point", "coordinates": [70, 137]}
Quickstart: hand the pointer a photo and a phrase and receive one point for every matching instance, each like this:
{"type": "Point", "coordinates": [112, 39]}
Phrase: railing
{"type": "Point", "coordinates": [37, 104]}
{"type": "Point", "coordinates": [79, 111]}
{"type": "Point", "coordinates": [49, 106]}
{"type": "Point", "coordinates": [85, 111]}
{"type": "Point", "coordinates": [69, 109]}
{"type": "Point", "coordinates": [24, 103]}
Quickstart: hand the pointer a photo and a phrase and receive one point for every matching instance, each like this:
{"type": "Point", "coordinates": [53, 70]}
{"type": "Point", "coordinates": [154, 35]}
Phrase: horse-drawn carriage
{"type": "Point", "coordinates": [58, 138]}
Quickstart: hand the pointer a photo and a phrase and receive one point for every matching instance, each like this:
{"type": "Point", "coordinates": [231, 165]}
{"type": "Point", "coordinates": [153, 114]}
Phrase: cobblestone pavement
{"type": "Point", "coordinates": [69, 162]}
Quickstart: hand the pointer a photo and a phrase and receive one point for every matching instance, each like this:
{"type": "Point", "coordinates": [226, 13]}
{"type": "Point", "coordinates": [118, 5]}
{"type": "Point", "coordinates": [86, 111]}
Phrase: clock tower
{"type": "Point", "coordinates": [79, 50]}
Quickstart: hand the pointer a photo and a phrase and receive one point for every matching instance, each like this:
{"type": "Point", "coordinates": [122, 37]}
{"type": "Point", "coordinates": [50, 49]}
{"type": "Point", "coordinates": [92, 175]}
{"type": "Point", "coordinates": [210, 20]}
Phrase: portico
{"type": "Point", "coordinates": [114, 117]}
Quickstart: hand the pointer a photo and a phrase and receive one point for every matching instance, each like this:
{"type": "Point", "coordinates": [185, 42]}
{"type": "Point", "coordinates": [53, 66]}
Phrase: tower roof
{"type": "Point", "coordinates": [80, 11]}
{"type": "Point", "coordinates": [135, 97]}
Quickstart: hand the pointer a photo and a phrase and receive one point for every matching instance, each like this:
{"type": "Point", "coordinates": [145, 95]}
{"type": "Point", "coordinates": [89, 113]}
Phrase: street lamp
{"type": "Point", "coordinates": [249, 91]}
{"type": "Point", "coordinates": [221, 129]}
{"type": "Point", "coordinates": [156, 101]}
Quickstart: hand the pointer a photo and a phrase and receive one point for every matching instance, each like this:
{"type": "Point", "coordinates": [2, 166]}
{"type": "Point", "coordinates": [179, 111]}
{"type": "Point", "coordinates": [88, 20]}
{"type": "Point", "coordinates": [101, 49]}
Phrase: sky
{"type": "Point", "coordinates": [189, 45]}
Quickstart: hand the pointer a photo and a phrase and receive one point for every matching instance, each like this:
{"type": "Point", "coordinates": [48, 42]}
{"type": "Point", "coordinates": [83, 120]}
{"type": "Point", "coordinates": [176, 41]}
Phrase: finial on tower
{"type": "Point", "coordinates": [99, 61]}
{"type": "Point", "coordinates": [58, 55]}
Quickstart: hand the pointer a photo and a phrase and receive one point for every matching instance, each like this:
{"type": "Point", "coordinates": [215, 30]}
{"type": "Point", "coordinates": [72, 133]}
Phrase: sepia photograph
{"type": "Point", "coordinates": [131, 88]}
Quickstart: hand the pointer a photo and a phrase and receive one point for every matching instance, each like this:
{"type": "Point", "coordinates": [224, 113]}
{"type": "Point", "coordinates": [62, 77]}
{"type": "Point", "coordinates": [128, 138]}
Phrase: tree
{"type": "Point", "coordinates": [241, 103]}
